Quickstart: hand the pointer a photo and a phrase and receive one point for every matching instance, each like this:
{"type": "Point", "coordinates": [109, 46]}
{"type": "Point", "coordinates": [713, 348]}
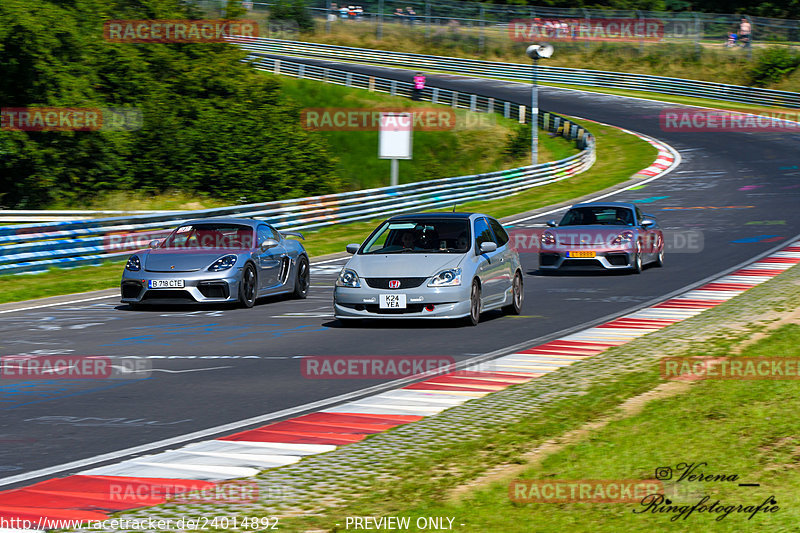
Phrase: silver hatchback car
{"type": "Point", "coordinates": [430, 265]}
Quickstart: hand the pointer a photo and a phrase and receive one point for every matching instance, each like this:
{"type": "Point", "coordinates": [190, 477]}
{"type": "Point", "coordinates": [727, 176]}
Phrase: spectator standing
{"type": "Point", "coordinates": [412, 15]}
{"type": "Point", "coordinates": [745, 32]}
{"type": "Point", "coordinates": [419, 86]}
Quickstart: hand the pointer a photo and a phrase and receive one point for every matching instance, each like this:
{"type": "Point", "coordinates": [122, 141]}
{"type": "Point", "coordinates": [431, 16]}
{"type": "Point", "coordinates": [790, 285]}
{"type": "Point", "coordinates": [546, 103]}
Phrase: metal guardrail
{"type": "Point", "coordinates": [34, 247]}
{"type": "Point", "coordinates": [522, 72]}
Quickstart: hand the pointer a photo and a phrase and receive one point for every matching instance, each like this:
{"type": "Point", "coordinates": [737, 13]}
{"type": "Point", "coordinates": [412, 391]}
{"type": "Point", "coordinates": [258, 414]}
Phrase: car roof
{"type": "Point", "coordinates": [225, 220]}
{"type": "Point", "coordinates": [458, 216]}
{"type": "Point", "coordinates": [605, 204]}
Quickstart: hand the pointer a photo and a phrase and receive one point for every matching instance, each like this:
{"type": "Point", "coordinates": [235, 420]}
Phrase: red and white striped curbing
{"type": "Point", "coordinates": [88, 495]}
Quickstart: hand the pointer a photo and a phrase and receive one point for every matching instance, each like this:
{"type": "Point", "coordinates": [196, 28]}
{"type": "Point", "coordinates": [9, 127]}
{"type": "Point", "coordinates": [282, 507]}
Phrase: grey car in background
{"type": "Point", "coordinates": [430, 265]}
{"type": "Point", "coordinates": [216, 260]}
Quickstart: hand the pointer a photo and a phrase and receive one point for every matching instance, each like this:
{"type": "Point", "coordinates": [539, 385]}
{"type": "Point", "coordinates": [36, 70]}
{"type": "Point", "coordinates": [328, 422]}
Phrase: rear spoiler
{"type": "Point", "coordinates": [292, 234]}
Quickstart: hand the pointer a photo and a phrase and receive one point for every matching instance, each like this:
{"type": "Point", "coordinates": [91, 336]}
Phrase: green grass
{"type": "Point", "coordinates": [58, 281]}
{"type": "Point", "coordinates": [746, 428]}
{"type": "Point", "coordinates": [742, 428]}
{"type": "Point", "coordinates": [477, 144]}
{"type": "Point", "coordinates": [709, 62]}
{"type": "Point", "coordinates": [619, 155]}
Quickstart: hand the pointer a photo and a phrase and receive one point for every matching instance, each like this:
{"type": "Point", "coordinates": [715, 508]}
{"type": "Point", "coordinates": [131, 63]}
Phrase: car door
{"type": "Point", "coordinates": [651, 237]}
{"type": "Point", "coordinates": [269, 260]}
{"type": "Point", "coordinates": [491, 264]}
{"type": "Point", "coordinates": [507, 254]}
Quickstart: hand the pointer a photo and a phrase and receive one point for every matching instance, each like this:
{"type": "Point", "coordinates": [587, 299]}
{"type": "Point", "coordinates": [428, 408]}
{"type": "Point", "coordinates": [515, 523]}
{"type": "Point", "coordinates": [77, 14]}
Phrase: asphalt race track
{"type": "Point", "coordinates": [214, 366]}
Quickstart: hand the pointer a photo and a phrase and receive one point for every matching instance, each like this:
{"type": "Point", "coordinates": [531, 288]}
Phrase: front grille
{"type": "Point", "coordinates": [131, 289]}
{"type": "Point", "coordinates": [405, 283]}
{"type": "Point", "coordinates": [213, 289]}
{"type": "Point", "coordinates": [548, 259]}
{"type": "Point", "coordinates": [617, 259]}
{"type": "Point", "coordinates": [168, 294]}
{"type": "Point", "coordinates": [411, 308]}
{"type": "Point", "coordinates": [581, 263]}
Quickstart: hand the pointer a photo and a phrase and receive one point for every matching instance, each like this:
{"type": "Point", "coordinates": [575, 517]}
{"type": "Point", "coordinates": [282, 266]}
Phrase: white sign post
{"type": "Point", "coordinates": [395, 140]}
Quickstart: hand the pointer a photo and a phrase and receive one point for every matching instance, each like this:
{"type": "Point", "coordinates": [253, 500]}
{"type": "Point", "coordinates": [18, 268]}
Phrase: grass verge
{"type": "Point", "coordinates": [618, 157]}
{"type": "Point", "coordinates": [745, 429]}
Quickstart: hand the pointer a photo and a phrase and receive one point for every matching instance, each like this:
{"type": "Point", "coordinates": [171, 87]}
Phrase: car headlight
{"type": "Point", "coordinates": [547, 239]}
{"type": "Point", "coordinates": [446, 278]}
{"type": "Point", "coordinates": [348, 278]}
{"type": "Point", "coordinates": [623, 238]}
{"type": "Point", "coordinates": [223, 263]}
{"type": "Point", "coordinates": [134, 265]}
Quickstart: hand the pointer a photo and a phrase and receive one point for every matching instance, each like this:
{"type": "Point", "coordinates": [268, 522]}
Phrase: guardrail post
{"type": "Point", "coordinates": [490, 106]}
{"type": "Point", "coordinates": [545, 121]}
{"type": "Point", "coordinates": [473, 102]}
{"type": "Point", "coordinates": [301, 71]}
{"type": "Point", "coordinates": [277, 68]}
{"type": "Point", "coordinates": [393, 88]}
{"type": "Point", "coordinates": [455, 98]}
{"type": "Point", "coordinates": [507, 109]}
{"type": "Point", "coordinates": [348, 79]}
{"type": "Point", "coordinates": [371, 84]}
{"type": "Point", "coordinates": [522, 114]}
{"type": "Point", "coordinates": [435, 96]}
{"type": "Point", "coordinates": [325, 75]}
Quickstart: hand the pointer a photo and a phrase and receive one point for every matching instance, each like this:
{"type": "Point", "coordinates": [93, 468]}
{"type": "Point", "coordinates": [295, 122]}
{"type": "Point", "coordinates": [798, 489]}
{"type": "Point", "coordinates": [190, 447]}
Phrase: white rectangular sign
{"type": "Point", "coordinates": [395, 136]}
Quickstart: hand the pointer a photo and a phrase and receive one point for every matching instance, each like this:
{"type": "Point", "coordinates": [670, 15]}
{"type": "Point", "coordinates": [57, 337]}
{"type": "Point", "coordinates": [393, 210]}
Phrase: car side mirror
{"type": "Point", "coordinates": [154, 244]}
{"type": "Point", "coordinates": [352, 248]}
{"type": "Point", "coordinates": [269, 243]}
{"type": "Point", "coordinates": [647, 222]}
{"type": "Point", "coordinates": [487, 247]}
{"type": "Point", "coordinates": [552, 223]}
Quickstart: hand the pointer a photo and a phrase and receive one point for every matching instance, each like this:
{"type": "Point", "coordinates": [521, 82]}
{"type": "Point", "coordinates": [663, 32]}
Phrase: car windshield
{"type": "Point", "coordinates": [210, 236]}
{"type": "Point", "coordinates": [602, 215]}
{"type": "Point", "coordinates": [424, 235]}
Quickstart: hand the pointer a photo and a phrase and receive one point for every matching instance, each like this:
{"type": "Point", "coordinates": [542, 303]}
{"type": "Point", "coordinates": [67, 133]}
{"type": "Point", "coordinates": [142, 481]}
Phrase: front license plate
{"type": "Point", "coordinates": [165, 284]}
{"type": "Point", "coordinates": [580, 254]}
{"type": "Point", "coordinates": [393, 301]}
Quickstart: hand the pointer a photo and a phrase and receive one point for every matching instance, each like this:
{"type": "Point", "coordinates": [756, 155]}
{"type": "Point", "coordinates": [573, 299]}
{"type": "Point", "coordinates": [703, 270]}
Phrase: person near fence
{"type": "Point", "coordinates": [745, 32]}
{"type": "Point", "coordinates": [419, 86]}
{"type": "Point", "coordinates": [412, 15]}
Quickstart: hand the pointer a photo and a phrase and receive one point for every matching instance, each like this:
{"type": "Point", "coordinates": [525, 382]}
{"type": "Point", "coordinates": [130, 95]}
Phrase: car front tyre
{"type": "Point", "coordinates": [637, 261]}
{"type": "Point", "coordinates": [247, 286]}
{"type": "Point", "coordinates": [302, 280]}
{"type": "Point", "coordinates": [474, 305]}
{"type": "Point", "coordinates": [660, 259]}
{"type": "Point", "coordinates": [517, 295]}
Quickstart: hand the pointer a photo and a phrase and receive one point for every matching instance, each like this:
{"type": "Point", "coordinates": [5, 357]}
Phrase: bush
{"type": "Point", "coordinates": [772, 65]}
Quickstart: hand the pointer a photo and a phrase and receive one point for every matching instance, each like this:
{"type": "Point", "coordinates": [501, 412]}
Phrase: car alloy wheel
{"type": "Point", "coordinates": [303, 280]}
{"type": "Point", "coordinates": [517, 295]}
{"type": "Point", "coordinates": [474, 304]}
{"type": "Point", "coordinates": [637, 260]}
{"type": "Point", "coordinates": [660, 259]}
{"type": "Point", "coordinates": [247, 286]}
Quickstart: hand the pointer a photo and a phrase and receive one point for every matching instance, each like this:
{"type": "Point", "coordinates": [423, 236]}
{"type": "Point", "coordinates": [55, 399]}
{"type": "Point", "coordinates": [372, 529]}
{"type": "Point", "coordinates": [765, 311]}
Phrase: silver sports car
{"type": "Point", "coordinates": [604, 235]}
{"type": "Point", "coordinates": [430, 265]}
{"type": "Point", "coordinates": [215, 260]}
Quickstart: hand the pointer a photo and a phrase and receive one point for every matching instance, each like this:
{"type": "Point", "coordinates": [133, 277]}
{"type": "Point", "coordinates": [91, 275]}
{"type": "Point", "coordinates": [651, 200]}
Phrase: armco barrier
{"type": "Point", "coordinates": [34, 247]}
{"type": "Point", "coordinates": [522, 72]}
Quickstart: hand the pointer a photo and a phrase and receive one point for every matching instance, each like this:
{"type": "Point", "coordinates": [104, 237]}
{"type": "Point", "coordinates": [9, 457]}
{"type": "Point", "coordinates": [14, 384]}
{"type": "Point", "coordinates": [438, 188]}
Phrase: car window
{"type": "Point", "coordinates": [500, 235]}
{"type": "Point", "coordinates": [419, 235]}
{"type": "Point", "coordinates": [482, 232]}
{"type": "Point", "coordinates": [603, 215]}
{"type": "Point", "coordinates": [210, 236]}
{"type": "Point", "coordinates": [266, 232]}
{"type": "Point", "coordinates": [639, 215]}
